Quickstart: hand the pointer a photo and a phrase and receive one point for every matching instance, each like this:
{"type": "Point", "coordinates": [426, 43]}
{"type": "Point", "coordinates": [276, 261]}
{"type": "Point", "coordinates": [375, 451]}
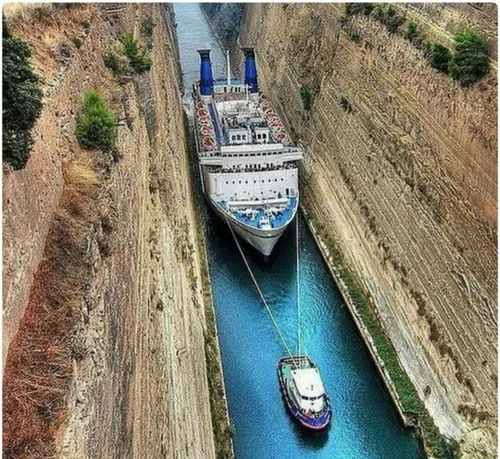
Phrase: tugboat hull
{"type": "Point", "coordinates": [314, 422]}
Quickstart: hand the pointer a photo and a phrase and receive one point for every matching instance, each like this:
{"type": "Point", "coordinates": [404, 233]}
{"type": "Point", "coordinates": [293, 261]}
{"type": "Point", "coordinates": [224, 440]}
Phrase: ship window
{"type": "Point", "coordinates": [275, 179]}
{"type": "Point", "coordinates": [246, 181]}
{"type": "Point", "coordinates": [233, 182]}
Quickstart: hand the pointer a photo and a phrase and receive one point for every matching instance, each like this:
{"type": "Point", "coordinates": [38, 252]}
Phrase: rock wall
{"type": "Point", "coordinates": [30, 196]}
{"type": "Point", "coordinates": [400, 167]}
{"type": "Point", "coordinates": [139, 381]}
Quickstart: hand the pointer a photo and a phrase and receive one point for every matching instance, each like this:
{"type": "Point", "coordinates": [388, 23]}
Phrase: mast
{"type": "Point", "coordinates": [228, 69]}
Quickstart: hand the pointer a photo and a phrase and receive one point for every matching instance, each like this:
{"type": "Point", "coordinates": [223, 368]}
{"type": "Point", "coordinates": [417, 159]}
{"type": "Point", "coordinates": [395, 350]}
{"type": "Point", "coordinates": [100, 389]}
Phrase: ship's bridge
{"type": "Point", "coordinates": [252, 157]}
{"type": "Point", "coordinates": [242, 122]}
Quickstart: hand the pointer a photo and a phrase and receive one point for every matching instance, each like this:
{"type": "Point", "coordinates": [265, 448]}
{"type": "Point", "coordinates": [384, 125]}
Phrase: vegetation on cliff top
{"type": "Point", "coordinates": [469, 61]}
{"type": "Point", "coordinates": [96, 125]}
{"type": "Point", "coordinates": [438, 55]}
{"type": "Point", "coordinates": [22, 99]}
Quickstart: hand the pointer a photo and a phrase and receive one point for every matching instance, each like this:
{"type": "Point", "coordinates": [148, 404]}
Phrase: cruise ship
{"type": "Point", "coordinates": [248, 164]}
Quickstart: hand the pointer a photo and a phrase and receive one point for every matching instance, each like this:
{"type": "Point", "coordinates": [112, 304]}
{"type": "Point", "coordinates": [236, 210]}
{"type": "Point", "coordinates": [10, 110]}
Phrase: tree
{"type": "Point", "coordinates": [22, 99]}
{"type": "Point", "coordinates": [137, 55]}
{"type": "Point", "coordinates": [471, 60]}
{"type": "Point", "coordinates": [439, 56]}
{"type": "Point", "coordinates": [96, 125]}
{"type": "Point", "coordinates": [411, 31]}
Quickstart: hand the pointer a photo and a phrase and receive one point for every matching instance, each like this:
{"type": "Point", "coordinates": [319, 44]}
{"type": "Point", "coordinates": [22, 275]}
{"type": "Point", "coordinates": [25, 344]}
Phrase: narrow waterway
{"type": "Point", "coordinates": [365, 424]}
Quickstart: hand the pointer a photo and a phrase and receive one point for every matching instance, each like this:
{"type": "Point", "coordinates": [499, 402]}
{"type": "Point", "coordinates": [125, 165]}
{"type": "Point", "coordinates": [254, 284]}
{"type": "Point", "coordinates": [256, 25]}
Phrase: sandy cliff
{"type": "Point", "coordinates": [131, 371]}
{"type": "Point", "coordinates": [400, 167]}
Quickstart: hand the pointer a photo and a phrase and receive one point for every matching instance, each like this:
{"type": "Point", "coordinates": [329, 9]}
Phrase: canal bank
{"type": "Point", "coordinates": [412, 238]}
{"type": "Point", "coordinates": [366, 424]}
{"type": "Point", "coordinates": [401, 390]}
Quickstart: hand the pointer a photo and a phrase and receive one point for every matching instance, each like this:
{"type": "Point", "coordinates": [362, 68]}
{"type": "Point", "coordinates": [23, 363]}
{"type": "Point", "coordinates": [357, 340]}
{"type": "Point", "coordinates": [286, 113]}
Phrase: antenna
{"type": "Point", "coordinates": [228, 69]}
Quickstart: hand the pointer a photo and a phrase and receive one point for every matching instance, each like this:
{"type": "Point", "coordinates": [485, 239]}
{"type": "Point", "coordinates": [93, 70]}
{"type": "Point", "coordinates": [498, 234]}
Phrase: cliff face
{"type": "Point", "coordinates": [400, 166]}
{"type": "Point", "coordinates": [131, 376]}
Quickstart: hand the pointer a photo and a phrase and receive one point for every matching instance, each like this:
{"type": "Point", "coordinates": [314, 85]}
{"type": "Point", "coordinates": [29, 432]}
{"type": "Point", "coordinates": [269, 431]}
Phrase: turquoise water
{"type": "Point", "coordinates": [365, 423]}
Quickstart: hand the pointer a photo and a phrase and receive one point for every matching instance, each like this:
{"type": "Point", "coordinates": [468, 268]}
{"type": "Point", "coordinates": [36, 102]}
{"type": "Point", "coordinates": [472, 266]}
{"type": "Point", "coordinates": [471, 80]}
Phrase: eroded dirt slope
{"type": "Point", "coordinates": [401, 168]}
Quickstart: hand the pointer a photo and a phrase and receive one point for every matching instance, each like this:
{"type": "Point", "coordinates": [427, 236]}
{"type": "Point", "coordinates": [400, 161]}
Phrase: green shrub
{"type": "Point", "coordinates": [118, 64]}
{"type": "Point", "coordinates": [438, 56]}
{"type": "Point", "coordinates": [22, 99]}
{"type": "Point", "coordinates": [137, 55]}
{"type": "Point", "coordinates": [358, 8]}
{"type": "Point", "coordinates": [471, 59]}
{"type": "Point", "coordinates": [411, 31]}
{"type": "Point", "coordinates": [344, 103]}
{"type": "Point", "coordinates": [131, 58]}
{"type": "Point", "coordinates": [389, 16]}
{"type": "Point", "coordinates": [96, 125]}
{"type": "Point", "coordinates": [307, 97]}
{"type": "Point", "coordinates": [77, 41]}
{"type": "Point", "coordinates": [353, 36]}
{"type": "Point", "coordinates": [147, 27]}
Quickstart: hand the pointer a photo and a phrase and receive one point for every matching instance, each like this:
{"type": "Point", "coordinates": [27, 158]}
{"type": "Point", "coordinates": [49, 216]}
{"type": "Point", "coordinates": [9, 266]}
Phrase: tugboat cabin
{"type": "Point", "coordinates": [308, 392]}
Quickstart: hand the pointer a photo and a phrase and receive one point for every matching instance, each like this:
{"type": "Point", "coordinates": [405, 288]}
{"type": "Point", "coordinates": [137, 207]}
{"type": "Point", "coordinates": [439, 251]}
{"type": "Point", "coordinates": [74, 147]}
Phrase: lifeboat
{"type": "Point", "coordinates": [280, 136]}
{"type": "Point", "coordinates": [206, 130]}
{"type": "Point", "coordinates": [202, 113]}
{"type": "Point", "coordinates": [208, 142]}
{"type": "Point", "coordinates": [200, 104]}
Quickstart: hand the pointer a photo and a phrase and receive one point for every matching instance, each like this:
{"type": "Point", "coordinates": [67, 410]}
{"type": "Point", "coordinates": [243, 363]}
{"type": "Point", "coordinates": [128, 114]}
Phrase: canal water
{"type": "Point", "coordinates": [365, 424]}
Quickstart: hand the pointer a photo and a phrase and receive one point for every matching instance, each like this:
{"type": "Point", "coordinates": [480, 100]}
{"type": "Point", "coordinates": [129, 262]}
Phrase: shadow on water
{"type": "Point", "coordinates": [309, 441]}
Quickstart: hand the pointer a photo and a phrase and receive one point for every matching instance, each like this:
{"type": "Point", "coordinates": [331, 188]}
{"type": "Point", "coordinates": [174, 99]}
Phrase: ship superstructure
{"type": "Point", "coordinates": [248, 164]}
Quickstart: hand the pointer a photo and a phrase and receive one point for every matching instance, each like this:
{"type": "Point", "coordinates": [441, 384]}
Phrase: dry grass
{"type": "Point", "coordinates": [39, 365]}
{"type": "Point", "coordinates": [27, 11]}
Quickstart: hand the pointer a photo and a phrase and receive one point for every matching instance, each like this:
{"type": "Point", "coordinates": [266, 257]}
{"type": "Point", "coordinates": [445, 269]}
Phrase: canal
{"type": "Point", "coordinates": [365, 424]}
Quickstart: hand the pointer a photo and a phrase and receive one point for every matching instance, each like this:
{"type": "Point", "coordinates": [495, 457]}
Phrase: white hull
{"type": "Point", "coordinates": [262, 240]}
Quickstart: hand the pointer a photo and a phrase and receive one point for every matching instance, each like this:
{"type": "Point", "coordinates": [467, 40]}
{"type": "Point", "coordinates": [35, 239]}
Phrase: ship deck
{"type": "Point", "coordinates": [276, 221]}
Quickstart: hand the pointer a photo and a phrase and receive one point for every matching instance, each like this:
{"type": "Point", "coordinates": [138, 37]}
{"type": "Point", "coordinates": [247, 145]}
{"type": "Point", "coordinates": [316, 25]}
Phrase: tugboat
{"type": "Point", "coordinates": [304, 393]}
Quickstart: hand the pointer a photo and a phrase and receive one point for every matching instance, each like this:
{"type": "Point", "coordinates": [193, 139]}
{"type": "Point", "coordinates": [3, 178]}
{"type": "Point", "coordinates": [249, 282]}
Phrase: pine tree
{"type": "Point", "coordinates": [22, 99]}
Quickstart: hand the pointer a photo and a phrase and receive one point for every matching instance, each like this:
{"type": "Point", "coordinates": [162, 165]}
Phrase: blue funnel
{"type": "Point", "coordinates": [250, 70]}
{"type": "Point", "coordinates": [206, 80]}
